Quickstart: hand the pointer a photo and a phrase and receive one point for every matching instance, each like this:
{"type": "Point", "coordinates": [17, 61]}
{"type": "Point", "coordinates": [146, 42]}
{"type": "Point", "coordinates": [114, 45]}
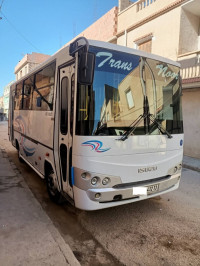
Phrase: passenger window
{"type": "Point", "coordinates": [18, 96]}
{"type": "Point", "coordinates": [44, 89]}
{"type": "Point", "coordinates": [28, 90]}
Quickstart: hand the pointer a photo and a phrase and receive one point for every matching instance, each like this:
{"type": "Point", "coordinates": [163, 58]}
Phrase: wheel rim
{"type": "Point", "coordinates": [50, 183]}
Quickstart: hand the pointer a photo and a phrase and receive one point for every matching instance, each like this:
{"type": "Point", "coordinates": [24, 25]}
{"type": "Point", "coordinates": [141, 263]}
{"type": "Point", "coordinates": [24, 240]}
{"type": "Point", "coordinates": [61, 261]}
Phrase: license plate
{"type": "Point", "coordinates": [152, 189]}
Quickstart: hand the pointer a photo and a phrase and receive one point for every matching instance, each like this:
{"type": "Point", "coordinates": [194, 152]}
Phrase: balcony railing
{"type": "Point", "coordinates": [190, 65]}
{"type": "Point", "coordinates": [143, 4]}
{"type": "Point", "coordinates": [190, 72]}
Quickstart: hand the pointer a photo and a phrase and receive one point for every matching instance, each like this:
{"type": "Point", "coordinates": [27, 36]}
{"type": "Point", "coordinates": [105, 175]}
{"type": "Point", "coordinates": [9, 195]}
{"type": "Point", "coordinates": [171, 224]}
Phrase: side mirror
{"type": "Point", "coordinates": [86, 68]}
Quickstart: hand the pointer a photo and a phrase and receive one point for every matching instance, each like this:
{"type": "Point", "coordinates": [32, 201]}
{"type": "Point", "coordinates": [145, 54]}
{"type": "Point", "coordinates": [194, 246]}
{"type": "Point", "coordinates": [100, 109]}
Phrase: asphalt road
{"type": "Point", "coordinates": [160, 231]}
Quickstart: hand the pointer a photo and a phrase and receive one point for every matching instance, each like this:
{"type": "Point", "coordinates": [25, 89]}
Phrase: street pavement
{"type": "Point", "coordinates": [27, 235]}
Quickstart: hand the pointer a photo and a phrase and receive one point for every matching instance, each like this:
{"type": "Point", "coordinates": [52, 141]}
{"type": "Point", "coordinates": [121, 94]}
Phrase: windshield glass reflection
{"type": "Point", "coordinates": [116, 98]}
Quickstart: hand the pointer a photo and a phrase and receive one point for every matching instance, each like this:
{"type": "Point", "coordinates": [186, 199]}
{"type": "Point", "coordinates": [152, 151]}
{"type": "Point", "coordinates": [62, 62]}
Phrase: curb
{"type": "Point", "coordinates": [191, 167]}
{"type": "Point", "coordinates": [62, 245]}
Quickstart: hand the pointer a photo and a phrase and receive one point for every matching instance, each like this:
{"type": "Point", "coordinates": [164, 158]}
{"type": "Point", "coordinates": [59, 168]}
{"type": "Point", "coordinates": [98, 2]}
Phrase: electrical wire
{"type": "Point", "coordinates": [21, 34]}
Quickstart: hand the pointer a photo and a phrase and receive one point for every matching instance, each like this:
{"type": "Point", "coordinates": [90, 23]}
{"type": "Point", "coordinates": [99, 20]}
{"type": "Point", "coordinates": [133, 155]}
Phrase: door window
{"type": "Point", "coordinates": [64, 106]}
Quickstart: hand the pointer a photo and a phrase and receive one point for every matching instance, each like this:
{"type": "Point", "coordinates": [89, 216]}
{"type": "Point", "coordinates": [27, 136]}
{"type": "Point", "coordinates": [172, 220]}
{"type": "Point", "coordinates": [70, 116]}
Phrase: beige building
{"type": "Point", "coordinates": [104, 29]}
{"type": "Point", "coordinates": [171, 29]}
{"type": "Point", "coordinates": [2, 114]}
{"type": "Point", "coordinates": [28, 62]}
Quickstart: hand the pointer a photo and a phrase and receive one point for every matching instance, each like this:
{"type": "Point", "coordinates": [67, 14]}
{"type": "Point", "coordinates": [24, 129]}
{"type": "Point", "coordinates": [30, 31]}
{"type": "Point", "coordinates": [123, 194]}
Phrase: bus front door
{"type": "Point", "coordinates": [66, 127]}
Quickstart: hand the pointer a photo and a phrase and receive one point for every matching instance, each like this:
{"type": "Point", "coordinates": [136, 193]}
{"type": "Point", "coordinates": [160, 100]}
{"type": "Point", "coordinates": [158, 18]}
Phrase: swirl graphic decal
{"type": "Point", "coordinates": [96, 145]}
{"type": "Point", "coordinates": [21, 126]}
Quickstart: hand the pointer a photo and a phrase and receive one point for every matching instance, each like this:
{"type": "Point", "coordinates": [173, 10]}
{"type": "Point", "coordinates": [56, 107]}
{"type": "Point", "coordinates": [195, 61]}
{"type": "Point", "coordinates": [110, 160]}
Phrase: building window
{"type": "Point", "coordinates": [144, 43]}
{"type": "Point", "coordinates": [129, 98]}
{"type": "Point", "coordinates": [145, 46]}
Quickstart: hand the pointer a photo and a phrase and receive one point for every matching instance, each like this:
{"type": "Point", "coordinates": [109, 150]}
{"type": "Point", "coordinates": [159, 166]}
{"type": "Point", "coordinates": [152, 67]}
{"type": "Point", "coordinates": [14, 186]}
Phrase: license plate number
{"type": "Point", "coordinates": [152, 188]}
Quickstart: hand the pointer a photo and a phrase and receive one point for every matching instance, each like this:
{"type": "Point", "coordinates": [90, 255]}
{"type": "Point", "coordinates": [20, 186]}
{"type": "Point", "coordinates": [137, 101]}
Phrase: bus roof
{"type": "Point", "coordinates": [105, 45]}
{"type": "Point", "coordinates": [128, 50]}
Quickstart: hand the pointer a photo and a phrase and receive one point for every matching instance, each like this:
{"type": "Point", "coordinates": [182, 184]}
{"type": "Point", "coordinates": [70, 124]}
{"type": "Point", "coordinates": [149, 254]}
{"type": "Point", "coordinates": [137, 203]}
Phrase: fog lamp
{"type": "Point", "coordinates": [97, 195]}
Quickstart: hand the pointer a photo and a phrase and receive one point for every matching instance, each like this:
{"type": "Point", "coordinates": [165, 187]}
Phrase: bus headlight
{"type": "Point", "coordinates": [94, 180]}
{"type": "Point", "coordinates": [85, 175]}
{"type": "Point", "coordinates": [175, 170]}
{"type": "Point", "coordinates": [105, 181]}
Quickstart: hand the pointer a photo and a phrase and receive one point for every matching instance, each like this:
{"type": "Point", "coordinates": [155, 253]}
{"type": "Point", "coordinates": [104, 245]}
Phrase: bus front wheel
{"type": "Point", "coordinates": [52, 190]}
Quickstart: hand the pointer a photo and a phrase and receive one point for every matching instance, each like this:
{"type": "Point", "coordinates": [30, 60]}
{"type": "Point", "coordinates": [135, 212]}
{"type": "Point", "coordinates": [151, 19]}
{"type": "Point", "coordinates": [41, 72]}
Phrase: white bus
{"type": "Point", "coordinates": [101, 123]}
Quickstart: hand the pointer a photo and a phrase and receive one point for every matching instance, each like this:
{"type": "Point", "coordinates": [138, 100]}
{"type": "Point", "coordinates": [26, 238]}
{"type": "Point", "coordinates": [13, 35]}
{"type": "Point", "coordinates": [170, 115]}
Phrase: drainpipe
{"type": "Point", "coordinates": [125, 37]}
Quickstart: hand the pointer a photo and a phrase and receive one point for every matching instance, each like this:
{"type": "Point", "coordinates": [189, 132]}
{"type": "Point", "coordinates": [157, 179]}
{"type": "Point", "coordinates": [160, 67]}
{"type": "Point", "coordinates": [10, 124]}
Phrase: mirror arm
{"type": "Point", "coordinates": [75, 47]}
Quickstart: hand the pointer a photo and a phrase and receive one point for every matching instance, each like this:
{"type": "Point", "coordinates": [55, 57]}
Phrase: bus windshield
{"type": "Point", "coordinates": [125, 87]}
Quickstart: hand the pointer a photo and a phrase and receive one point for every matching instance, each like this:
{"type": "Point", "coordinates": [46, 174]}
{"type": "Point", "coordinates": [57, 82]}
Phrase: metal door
{"type": "Point", "coordinates": [66, 126]}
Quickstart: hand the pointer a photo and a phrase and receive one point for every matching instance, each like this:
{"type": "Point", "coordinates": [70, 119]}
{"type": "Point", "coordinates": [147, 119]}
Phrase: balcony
{"type": "Point", "coordinates": [141, 4]}
{"type": "Point", "coordinates": [190, 69]}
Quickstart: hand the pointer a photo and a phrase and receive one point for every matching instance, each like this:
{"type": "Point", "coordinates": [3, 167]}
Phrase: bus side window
{"type": "Point", "coordinates": [44, 89]}
{"type": "Point", "coordinates": [27, 95]}
{"type": "Point", "coordinates": [18, 96]}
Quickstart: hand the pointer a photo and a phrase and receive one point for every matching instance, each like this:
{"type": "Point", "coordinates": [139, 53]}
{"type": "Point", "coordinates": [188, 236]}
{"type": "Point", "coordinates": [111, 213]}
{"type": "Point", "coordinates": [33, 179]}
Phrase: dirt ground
{"type": "Point", "coordinates": [160, 231]}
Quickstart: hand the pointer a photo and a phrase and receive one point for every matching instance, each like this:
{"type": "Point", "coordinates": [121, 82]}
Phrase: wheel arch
{"type": "Point", "coordinates": [48, 167]}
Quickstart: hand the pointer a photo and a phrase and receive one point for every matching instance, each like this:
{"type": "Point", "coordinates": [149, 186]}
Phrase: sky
{"type": "Point", "coordinates": [42, 26]}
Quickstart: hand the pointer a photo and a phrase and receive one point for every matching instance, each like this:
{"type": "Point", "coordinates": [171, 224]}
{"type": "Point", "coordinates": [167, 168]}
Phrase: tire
{"type": "Point", "coordinates": [52, 190]}
{"type": "Point", "coordinates": [19, 158]}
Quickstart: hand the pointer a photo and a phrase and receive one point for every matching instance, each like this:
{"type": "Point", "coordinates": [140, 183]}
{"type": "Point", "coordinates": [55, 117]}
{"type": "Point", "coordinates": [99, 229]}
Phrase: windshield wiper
{"type": "Point", "coordinates": [100, 127]}
{"type": "Point", "coordinates": [159, 126]}
{"type": "Point", "coordinates": [151, 117]}
{"type": "Point", "coordinates": [133, 127]}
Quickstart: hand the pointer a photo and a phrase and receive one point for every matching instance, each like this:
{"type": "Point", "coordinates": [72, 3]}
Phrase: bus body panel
{"type": "Point", "coordinates": [141, 161]}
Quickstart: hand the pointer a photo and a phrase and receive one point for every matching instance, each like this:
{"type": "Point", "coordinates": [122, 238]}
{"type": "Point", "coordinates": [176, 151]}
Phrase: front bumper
{"type": "Point", "coordinates": [110, 197]}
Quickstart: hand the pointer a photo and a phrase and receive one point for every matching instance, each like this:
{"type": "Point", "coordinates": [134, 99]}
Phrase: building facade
{"type": "Point", "coordinates": [171, 29]}
{"type": "Point", "coordinates": [6, 95]}
{"type": "Point", "coordinates": [167, 28]}
{"type": "Point", "coordinates": [2, 115]}
{"type": "Point", "coordinates": [28, 62]}
{"type": "Point", "coordinates": [104, 29]}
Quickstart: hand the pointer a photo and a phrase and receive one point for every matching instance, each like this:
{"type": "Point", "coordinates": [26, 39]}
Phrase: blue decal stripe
{"type": "Point", "coordinates": [72, 175]}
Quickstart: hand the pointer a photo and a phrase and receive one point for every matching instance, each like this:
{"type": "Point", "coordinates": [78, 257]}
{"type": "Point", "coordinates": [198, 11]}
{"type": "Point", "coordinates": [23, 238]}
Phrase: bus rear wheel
{"type": "Point", "coordinates": [52, 190]}
{"type": "Point", "coordinates": [18, 150]}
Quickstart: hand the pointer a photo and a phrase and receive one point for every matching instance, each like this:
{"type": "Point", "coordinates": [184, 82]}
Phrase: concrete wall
{"type": "Point", "coordinates": [191, 114]}
{"type": "Point", "coordinates": [165, 32]}
{"type": "Point", "coordinates": [189, 32]}
{"type": "Point", "coordinates": [123, 4]}
{"type": "Point", "coordinates": [140, 11]}
{"type": "Point", "coordinates": [164, 27]}
{"type": "Point", "coordinates": [104, 29]}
